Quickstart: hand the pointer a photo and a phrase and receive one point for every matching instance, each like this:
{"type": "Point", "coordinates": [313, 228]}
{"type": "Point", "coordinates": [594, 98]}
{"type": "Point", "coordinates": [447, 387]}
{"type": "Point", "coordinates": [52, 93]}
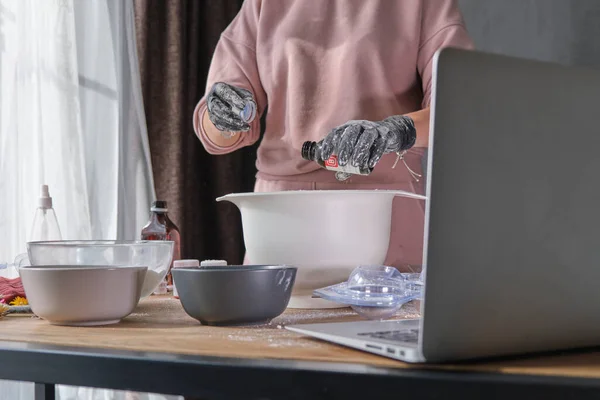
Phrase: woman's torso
{"type": "Point", "coordinates": [322, 63]}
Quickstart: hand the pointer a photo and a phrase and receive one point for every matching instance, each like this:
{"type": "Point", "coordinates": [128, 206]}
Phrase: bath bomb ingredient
{"type": "Point", "coordinates": [151, 282]}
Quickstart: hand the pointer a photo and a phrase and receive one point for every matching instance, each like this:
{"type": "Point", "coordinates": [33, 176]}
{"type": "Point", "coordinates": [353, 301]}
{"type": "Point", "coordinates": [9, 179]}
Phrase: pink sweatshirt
{"type": "Point", "coordinates": [317, 64]}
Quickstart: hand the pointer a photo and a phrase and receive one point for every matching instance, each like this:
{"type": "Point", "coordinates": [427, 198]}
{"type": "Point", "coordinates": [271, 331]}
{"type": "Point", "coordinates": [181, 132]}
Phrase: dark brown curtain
{"type": "Point", "coordinates": [176, 40]}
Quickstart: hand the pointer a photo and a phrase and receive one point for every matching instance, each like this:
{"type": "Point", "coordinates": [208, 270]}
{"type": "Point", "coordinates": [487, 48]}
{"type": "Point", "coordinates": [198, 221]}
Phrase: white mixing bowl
{"type": "Point", "coordinates": [326, 234]}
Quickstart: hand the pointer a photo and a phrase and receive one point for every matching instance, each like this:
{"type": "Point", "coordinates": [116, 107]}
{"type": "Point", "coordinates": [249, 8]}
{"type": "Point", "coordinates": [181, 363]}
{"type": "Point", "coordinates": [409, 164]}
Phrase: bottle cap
{"type": "Point", "coordinates": [45, 200]}
{"type": "Point", "coordinates": [307, 151]}
{"type": "Point", "coordinates": [213, 263]}
{"type": "Point", "coordinates": [186, 263]}
{"type": "Point", "coordinates": [249, 112]}
{"type": "Point", "coordinates": [159, 206]}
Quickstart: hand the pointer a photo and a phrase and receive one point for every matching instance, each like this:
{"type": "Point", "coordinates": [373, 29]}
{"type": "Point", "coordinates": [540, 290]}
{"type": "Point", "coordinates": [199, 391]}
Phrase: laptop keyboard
{"type": "Point", "coordinates": [403, 335]}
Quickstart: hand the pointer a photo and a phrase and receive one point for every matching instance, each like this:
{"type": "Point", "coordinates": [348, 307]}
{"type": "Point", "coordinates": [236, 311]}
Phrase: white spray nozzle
{"type": "Point", "coordinates": [45, 199]}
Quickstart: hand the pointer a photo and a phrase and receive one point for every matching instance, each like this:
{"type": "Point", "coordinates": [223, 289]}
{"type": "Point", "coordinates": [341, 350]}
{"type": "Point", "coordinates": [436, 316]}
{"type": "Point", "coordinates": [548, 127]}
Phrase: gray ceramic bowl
{"type": "Point", "coordinates": [235, 295]}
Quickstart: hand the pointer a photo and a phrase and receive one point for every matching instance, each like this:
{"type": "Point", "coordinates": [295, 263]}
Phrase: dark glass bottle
{"type": "Point", "coordinates": [311, 151]}
{"type": "Point", "coordinates": [160, 227]}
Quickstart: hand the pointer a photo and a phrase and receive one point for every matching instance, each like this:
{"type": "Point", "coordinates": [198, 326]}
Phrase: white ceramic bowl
{"type": "Point", "coordinates": [325, 234]}
{"type": "Point", "coordinates": [82, 295]}
{"type": "Point", "coordinates": [154, 254]}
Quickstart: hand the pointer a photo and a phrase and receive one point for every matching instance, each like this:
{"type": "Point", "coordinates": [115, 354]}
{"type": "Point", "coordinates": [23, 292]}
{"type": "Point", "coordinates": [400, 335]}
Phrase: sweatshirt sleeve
{"type": "Point", "coordinates": [442, 25]}
{"type": "Point", "coordinates": [234, 62]}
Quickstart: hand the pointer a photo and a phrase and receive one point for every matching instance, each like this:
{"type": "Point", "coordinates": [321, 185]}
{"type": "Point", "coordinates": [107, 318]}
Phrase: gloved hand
{"type": "Point", "coordinates": [363, 143]}
{"type": "Point", "coordinates": [227, 105]}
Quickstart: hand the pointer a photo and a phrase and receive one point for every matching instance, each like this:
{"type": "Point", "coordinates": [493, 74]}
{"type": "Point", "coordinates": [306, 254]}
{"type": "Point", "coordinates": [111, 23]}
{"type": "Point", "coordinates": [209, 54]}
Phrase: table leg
{"type": "Point", "coordinates": [44, 391]}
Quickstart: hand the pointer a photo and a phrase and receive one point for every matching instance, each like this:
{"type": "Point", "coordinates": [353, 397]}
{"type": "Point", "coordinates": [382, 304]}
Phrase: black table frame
{"type": "Point", "coordinates": [231, 378]}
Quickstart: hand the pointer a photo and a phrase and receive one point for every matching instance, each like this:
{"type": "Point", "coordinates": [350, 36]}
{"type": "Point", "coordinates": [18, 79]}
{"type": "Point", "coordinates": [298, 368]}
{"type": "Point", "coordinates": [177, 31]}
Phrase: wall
{"type": "Point", "coordinates": [565, 31]}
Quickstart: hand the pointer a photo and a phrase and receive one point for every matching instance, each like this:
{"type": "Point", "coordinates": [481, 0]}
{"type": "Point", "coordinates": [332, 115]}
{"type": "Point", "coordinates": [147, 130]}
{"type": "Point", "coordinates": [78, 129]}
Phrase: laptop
{"type": "Point", "coordinates": [512, 223]}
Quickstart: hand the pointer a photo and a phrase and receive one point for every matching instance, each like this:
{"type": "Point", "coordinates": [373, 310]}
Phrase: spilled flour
{"type": "Point", "coordinates": [278, 338]}
{"type": "Point", "coordinates": [275, 334]}
{"type": "Point", "coordinates": [164, 312]}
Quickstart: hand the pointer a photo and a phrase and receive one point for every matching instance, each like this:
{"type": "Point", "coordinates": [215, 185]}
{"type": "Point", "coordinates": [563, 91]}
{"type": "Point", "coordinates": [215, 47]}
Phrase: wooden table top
{"type": "Point", "coordinates": [159, 324]}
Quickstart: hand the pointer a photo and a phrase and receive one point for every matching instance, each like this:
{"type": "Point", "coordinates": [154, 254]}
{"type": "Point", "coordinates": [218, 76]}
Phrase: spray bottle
{"type": "Point", "coordinates": [45, 225]}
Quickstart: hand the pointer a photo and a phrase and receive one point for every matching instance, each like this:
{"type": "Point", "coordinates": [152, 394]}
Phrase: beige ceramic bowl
{"type": "Point", "coordinates": [82, 295]}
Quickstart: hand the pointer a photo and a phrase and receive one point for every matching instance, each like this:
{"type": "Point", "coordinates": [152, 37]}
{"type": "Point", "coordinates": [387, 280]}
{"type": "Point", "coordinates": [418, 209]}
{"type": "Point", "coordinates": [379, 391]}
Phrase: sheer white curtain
{"type": "Point", "coordinates": [41, 140]}
{"type": "Point", "coordinates": [71, 116]}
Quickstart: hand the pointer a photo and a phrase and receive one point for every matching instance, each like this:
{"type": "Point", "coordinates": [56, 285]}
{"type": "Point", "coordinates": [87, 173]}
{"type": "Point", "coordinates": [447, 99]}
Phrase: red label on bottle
{"type": "Point", "coordinates": [332, 162]}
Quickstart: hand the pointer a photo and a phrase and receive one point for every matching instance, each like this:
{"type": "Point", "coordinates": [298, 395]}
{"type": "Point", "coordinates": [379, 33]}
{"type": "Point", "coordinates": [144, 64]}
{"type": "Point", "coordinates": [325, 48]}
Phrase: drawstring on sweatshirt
{"type": "Point", "coordinates": [400, 156]}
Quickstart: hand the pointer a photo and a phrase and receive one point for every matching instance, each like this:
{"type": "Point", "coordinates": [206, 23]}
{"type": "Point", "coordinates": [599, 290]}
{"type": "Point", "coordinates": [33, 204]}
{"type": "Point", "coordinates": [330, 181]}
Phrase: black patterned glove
{"type": "Point", "coordinates": [230, 109]}
{"type": "Point", "coordinates": [363, 143]}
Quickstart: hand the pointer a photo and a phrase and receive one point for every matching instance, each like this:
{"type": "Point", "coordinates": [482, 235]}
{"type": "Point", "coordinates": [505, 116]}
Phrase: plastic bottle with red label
{"type": "Point", "coordinates": [311, 151]}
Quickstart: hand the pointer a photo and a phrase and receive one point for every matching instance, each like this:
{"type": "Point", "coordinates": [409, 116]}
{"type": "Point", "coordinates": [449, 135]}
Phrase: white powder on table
{"type": "Point", "coordinates": [273, 338]}
{"type": "Point", "coordinates": [275, 334]}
